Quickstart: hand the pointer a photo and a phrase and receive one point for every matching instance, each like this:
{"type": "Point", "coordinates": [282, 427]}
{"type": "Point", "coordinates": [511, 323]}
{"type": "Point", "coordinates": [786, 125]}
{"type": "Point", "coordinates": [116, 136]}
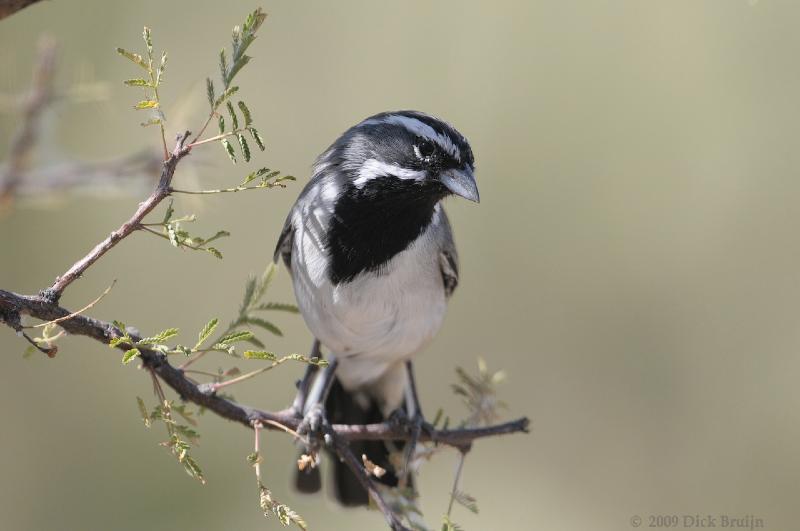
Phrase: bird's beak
{"type": "Point", "coordinates": [461, 182]}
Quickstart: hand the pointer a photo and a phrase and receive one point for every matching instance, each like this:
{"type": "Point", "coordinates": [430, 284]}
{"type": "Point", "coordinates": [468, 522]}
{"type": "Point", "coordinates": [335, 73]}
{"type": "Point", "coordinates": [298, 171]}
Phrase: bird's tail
{"type": "Point", "coordinates": [343, 407]}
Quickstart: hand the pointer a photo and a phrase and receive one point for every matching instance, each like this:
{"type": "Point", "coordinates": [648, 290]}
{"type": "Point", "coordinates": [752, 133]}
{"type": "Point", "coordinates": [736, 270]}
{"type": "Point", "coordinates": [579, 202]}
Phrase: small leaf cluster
{"type": "Point", "coordinates": [285, 514]}
{"type": "Point", "coordinates": [252, 303]}
{"type": "Point", "coordinates": [179, 237]}
{"type": "Point", "coordinates": [156, 342]}
{"type": "Point", "coordinates": [236, 332]}
{"type": "Point", "coordinates": [243, 37]}
{"type": "Point", "coordinates": [479, 394]}
{"type": "Point", "coordinates": [449, 525]}
{"type": "Point", "coordinates": [181, 437]}
{"type": "Point", "coordinates": [155, 76]}
{"type": "Point", "coordinates": [266, 179]}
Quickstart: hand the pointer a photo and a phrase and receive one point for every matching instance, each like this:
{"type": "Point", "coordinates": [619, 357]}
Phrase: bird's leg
{"type": "Point", "coordinates": [314, 419]}
{"type": "Point", "coordinates": [415, 420]}
{"type": "Point", "coordinates": [303, 385]}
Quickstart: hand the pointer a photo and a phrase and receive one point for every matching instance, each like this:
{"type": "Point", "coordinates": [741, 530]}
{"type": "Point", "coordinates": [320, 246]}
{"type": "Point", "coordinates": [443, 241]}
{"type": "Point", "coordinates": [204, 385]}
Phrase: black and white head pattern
{"type": "Point", "coordinates": [393, 169]}
{"type": "Point", "coordinates": [382, 181]}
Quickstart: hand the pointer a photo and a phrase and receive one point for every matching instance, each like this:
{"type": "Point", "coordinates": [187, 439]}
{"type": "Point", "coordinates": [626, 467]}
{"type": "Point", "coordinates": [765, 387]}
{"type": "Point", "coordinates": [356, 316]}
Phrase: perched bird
{"type": "Point", "coordinates": [373, 263]}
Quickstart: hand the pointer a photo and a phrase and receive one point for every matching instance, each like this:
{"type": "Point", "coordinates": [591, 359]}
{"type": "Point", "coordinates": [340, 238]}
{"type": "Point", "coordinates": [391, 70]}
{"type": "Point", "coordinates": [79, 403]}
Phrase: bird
{"type": "Point", "coordinates": [373, 263]}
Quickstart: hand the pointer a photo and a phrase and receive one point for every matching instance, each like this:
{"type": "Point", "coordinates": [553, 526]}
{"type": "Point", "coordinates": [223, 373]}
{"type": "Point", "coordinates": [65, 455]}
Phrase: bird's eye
{"type": "Point", "coordinates": [425, 148]}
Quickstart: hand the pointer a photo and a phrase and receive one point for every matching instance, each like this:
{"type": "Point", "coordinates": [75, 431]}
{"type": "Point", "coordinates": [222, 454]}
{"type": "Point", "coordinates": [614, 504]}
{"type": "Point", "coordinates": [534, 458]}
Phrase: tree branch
{"type": "Point", "coordinates": [40, 95]}
{"type": "Point", "coordinates": [13, 305]}
{"type": "Point", "coordinates": [9, 7]}
{"type": "Point", "coordinates": [161, 191]}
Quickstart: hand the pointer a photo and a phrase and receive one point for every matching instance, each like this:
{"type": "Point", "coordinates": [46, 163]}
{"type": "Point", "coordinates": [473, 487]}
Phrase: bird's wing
{"type": "Point", "coordinates": [283, 250]}
{"type": "Point", "coordinates": [448, 257]}
{"type": "Point", "coordinates": [312, 209]}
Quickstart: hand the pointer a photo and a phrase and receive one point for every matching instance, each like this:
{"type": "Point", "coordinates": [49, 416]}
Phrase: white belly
{"type": "Point", "coordinates": [374, 321]}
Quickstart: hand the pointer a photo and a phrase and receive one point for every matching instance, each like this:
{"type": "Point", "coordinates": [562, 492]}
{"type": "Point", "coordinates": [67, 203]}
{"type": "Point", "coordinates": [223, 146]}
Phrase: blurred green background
{"type": "Point", "coordinates": [634, 264]}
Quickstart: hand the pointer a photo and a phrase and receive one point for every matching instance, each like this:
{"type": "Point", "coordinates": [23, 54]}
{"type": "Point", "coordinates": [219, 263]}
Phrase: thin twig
{"type": "Point", "coordinates": [246, 376]}
{"type": "Point", "coordinates": [288, 430]}
{"type": "Point", "coordinates": [73, 314]}
{"type": "Point", "coordinates": [161, 191]}
{"type": "Point", "coordinates": [215, 138]}
{"type": "Point", "coordinates": [459, 467]}
{"type": "Point", "coordinates": [220, 190]}
{"type": "Point", "coordinates": [346, 454]}
{"type": "Point", "coordinates": [38, 99]}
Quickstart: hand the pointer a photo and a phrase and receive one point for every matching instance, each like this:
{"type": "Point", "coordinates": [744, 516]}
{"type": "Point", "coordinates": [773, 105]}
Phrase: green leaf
{"type": "Point", "coordinates": [221, 124]}
{"type": "Point", "coordinates": [253, 176]}
{"type": "Point", "coordinates": [237, 66]}
{"type": "Point", "coordinates": [206, 332]}
{"type": "Point", "coordinates": [224, 96]}
{"type": "Point", "coordinates": [229, 149]}
{"type": "Point", "coordinates": [243, 145]}
{"type": "Point", "coordinates": [161, 67]}
{"type": "Point", "coordinates": [187, 432]}
{"type": "Point", "coordinates": [255, 342]}
{"type": "Point", "coordinates": [223, 69]}
{"type": "Point", "coordinates": [151, 121]}
{"type": "Point", "coordinates": [30, 351]}
{"type": "Point", "coordinates": [254, 21]}
{"type": "Point", "coordinates": [210, 91]}
{"type": "Point", "coordinates": [143, 411]}
{"type": "Point", "coordinates": [260, 355]}
{"type": "Point", "coordinates": [248, 118]}
{"type": "Point", "coordinates": [116, 341]}
{"type": "Point", "coordinates": [218, 235]}
{"type": "Point", "coordinates": [130, 355]}
{"type": "Point", "coordinates": [466, 501]}
{"type": "Point", "coordinates": [449, 525]}
{"type": "Point", "coordinates": [249, 294]}
{"type": "Point", "coordinates": [137, 82]}
{"type": "Point", "coordinates": [215, 252]}
{"type": "Point", "coordinates": [135, 57]}
{"type": "Point", "coordinates": [185, 414]}
{"type": "Point", "coordinates": [232, 113]}
{"type": "Point", "coordinates": [193, 469]}
{"type": "Point", "coordinates": [278, 306]}
{"type": "Point", "coordinates": [160, 337]}
{"type": "Point", "coordinates": [266, 325]}
{"type": "Point", "coordinates": [254, 458]}
{"type": "Point", "coordinates": [257, 138]}
{"type": "Point", "coordinates": [235, 336]}
{"type": "Point", "coordinates": [264, 282]}
{"type": "Point", "coordinates": [148, 41]}
{"type": "Point", "coordinates": [146, 104]}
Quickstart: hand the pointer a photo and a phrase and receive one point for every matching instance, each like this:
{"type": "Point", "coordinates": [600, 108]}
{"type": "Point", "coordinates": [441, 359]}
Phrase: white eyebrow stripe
{"type": "Point", "coordinates": [418, 127]}
{"type": "Point", "coordinates": [372, 168]}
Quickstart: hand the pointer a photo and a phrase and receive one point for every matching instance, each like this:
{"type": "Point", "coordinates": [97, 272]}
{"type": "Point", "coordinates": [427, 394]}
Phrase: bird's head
{"type": "Point", "coordinates": [406, 150]}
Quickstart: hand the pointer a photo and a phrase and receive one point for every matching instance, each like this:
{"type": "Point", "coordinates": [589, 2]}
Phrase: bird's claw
{"type": "Point", "coordinates": [314, 426]}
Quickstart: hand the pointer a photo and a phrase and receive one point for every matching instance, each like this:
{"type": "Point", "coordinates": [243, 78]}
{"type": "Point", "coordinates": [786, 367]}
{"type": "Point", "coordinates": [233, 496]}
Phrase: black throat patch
{"type": "Point", "coordinates": [372, 224]}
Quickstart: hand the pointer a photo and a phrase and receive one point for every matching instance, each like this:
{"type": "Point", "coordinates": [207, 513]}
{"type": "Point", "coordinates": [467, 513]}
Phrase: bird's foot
{"type": "Point", "coordinates": [314, 427]}
{"type": "Point", "coordinates": [414, 425]}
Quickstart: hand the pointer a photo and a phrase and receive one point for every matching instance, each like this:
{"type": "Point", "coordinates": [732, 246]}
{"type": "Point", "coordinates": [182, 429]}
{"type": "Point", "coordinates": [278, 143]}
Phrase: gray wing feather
{"type": "Point", "coordinates": [448, 258]}
{"type": "Point", "coordinates": [283, 250]}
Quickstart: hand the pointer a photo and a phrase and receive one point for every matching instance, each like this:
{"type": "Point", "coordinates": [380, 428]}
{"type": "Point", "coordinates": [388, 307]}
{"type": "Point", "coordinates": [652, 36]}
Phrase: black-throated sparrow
{"type": "Point", "coordinates": [373, 262]}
